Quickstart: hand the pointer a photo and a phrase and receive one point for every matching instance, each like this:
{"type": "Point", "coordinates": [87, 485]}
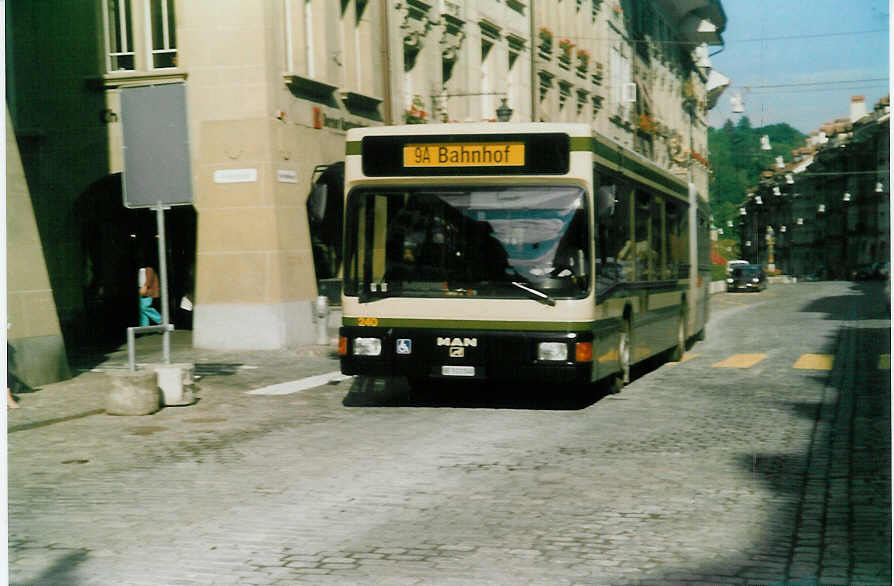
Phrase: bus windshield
{"type": "Point", "coordinates": [495, 241]}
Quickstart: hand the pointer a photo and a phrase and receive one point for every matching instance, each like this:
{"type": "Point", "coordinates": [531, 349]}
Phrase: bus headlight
{"type": "Point", "coordinates": [367, 346]}
{"type": "Point", "coordinates": [552, 351]}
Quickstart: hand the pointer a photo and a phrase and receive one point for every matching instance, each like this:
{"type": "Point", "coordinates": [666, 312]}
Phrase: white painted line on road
{"type": "Point", "coordinates": [296, 386]}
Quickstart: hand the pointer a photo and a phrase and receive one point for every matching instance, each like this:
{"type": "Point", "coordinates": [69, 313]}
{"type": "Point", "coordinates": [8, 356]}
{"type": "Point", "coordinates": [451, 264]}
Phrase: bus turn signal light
{"type": "Point", "coordinates": [342, 346]}
{"type": "Point", "coordinates": [583, 352]}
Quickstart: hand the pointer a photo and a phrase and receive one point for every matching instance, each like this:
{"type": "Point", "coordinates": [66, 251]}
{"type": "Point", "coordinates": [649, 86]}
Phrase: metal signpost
{"type": "Point", "coordinates": [157, 175]}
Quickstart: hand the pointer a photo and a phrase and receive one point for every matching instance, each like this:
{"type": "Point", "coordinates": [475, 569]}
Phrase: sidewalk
{"type": "Point", "coordinates": [86, 392]}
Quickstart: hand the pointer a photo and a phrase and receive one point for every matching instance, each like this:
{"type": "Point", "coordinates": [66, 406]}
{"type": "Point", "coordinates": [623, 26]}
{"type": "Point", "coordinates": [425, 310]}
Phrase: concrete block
{"type": "Point", "coordinates": [133, 393]}
{"type": "Point", "coordinates": [176, 383]}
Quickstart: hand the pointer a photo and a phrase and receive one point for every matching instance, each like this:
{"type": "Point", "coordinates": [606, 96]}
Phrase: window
{"type": "Point", "coordinates": [643, 248]}
{"type": "Point", "coordinates": [581, 101]}
{"type": "Point", "coordinates": [546, 84]}
{"type": "Point", "coordinates": [361, 30]}
{"type": "Point", "coordinates": [514, 84]}
{"type": "Point", "coordinates": [678, 238]}
{"type": "Point", "coordinates": [564, 93]}
{"type": "Point", "coordinates": [644, 145]}
{"type": "Point", "coordinates": [438, 241]}
{"type": "Point", "coordinates": [309, 38]}
{"type": "Point", "coordinates": [119, 37]}
{"type": "Point", "coordinates": [140, 36]}
{"type": "Point", "coordinates": [613, 245]}
{"type": "Point", "coordinates": [620, 76]}
{"type": "Point", "coordinates": [516, 5]}
{"type": "Point", "coordinates": [164, 38]}
{"type": "Point", "coordinates": [490, 38]}
{"type": "Point", "coordinates": [658, 268]}
{"type": "Point", "coordinates": [487, 106]}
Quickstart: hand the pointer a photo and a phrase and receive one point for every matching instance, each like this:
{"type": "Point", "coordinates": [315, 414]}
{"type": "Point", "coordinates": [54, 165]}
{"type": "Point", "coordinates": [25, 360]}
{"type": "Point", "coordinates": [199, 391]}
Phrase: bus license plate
{"type": "Point", "coordinates": [458, 370]}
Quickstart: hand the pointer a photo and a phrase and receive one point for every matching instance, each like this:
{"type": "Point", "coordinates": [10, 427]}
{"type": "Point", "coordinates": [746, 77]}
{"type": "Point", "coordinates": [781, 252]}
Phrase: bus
{"type": "Point", "coordinates": [516, 252]}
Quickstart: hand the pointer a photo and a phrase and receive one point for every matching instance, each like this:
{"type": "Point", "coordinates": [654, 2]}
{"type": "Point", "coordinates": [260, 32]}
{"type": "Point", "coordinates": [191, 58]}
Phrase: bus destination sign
{"type": "Point", "coordinates": [465, 154]}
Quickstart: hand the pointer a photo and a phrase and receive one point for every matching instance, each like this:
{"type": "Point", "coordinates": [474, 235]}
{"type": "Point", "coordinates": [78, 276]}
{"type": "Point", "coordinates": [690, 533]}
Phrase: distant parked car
{"type": "Point", "coordinates": [746, 277]}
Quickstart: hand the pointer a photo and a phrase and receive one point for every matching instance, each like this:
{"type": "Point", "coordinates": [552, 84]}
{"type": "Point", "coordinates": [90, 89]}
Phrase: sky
{"type": "Point", "coordinates": [817, 54]}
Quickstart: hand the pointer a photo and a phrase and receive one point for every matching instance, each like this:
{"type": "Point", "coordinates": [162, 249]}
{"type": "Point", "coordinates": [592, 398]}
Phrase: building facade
{"type": "Point", "coordinates": [271, 88]}
{"type": "Point", "coordinates": [827, 211]}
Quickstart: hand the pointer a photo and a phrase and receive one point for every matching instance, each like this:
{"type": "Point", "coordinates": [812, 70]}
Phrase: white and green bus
{"type": "Point", "coordinates": [515, 252]}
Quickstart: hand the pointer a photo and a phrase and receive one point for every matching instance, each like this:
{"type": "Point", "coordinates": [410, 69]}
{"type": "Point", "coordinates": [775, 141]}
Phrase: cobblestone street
{"type": "Point", "coordinates": [701, 472]}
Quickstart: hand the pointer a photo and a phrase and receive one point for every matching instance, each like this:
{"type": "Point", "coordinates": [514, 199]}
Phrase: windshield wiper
{"type": "Point", "coordinates": [535, 294]}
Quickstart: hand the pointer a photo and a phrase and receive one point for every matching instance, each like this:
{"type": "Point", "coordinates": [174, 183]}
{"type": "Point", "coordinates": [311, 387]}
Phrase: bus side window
{"type": "Point", "coordinates": [612, 234]}
{"type": "Point", "coordinates": [685, 260]}
{"type": "Point", "coordinates": [659, 241]}
{"type": "Point", "coordinates": [643, 251]}
{"type": "Point", "coordinates": [677, 246]}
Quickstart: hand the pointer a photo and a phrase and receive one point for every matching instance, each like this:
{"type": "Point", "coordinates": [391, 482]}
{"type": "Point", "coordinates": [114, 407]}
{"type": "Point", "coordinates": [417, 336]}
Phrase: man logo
{"type": "Point", "coordinates": [460, 342]}
{"type": "Point", "coordinates": [457, 351]}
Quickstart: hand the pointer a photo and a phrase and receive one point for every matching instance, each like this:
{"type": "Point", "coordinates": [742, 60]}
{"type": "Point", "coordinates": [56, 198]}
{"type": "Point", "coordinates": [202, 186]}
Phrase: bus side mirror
{"type": "Point", "coordinates": [316, 202]}
{"type": "Point", "coordinates": [605, 201]}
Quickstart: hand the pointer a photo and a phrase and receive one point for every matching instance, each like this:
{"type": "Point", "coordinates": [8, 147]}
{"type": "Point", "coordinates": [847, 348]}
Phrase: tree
{"type": "Point", "coordinates": [737, 161]}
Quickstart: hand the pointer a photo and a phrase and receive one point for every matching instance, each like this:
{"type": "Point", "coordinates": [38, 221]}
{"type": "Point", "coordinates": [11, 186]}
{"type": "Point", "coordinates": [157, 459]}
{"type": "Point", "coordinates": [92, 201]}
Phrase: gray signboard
{"type": "Point", "coordinates": [156, 146]}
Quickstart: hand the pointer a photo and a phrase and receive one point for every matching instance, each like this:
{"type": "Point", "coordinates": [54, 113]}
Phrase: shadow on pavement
{"type": "Point", "coordinates": [61, 572]}
{"type": "Point", "coordinates": [867, 293]}
{"type": "Point", "coordinates": [831, 522]}
{"type": "Point", "coordinates": [396, 392]}
{"type": "Point", "coordinates": [89, 357]}
{"type": "Point", "coordinates": [203, 369]}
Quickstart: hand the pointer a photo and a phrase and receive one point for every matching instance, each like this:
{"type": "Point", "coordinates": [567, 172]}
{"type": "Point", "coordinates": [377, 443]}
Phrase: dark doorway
{"type": "Point", "coordinates": [116, 241]}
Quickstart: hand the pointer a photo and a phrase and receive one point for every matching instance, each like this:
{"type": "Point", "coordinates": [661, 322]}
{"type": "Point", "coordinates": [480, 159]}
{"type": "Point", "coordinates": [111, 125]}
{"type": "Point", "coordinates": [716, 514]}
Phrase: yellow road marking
{"type": "Point", "coordinates": [815, 362]}
{"type": "Point", "coordinates": [740, 361]}
{"type": "Point", "coordinates": [884, 362]}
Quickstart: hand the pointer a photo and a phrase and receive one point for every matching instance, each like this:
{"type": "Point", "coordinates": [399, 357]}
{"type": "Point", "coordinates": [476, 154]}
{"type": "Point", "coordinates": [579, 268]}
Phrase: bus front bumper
{"type": "Point", "coordinates": [465, 355]}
